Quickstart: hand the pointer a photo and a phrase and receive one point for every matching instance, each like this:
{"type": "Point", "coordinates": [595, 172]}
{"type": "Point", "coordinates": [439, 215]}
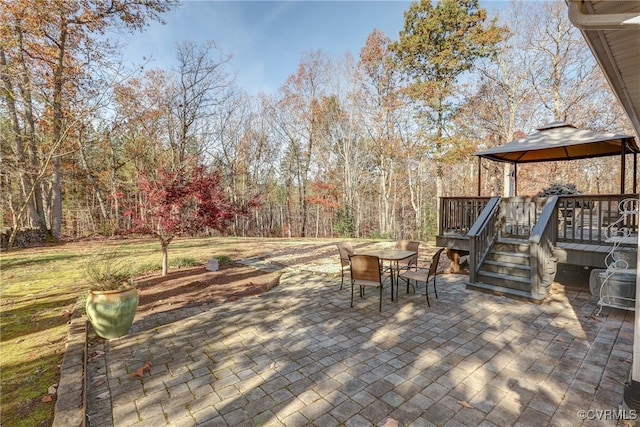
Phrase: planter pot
{"type": "Point", "coordinates": [111, 312]}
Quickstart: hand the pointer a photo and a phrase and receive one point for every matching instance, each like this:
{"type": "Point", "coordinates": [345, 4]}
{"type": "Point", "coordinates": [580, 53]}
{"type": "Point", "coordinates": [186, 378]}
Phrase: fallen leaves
{"type": "Point", "coordinates": [140, 371]}
{"type": "Point", "coordinates": [95, 355]}
{"type": "Point", "coordinates": [465, 404]}
{"type": "Point", "coordinates": [103, 395]}
{"type": "Point", "coordinates": [391, 423]}
{"type": "Point", "coordinates": [53, 389]}
{"type": "Point", "coordinates": [99, 380]}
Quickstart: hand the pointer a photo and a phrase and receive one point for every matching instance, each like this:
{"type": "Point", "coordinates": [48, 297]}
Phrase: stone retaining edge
{"type": "Point", "coordinates": [70, 408]}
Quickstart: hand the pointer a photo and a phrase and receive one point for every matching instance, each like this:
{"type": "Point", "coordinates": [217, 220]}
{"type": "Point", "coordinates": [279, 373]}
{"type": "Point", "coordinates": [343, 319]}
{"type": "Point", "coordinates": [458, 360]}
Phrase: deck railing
{"type": "Point", "coordinates": [518, 215]}
{"type": "Point", "coordinates": [585, 218]}
{"type": "Point", "coordinates": [457, 214]}
{"type": "Point", "coordinates": [482, 236]}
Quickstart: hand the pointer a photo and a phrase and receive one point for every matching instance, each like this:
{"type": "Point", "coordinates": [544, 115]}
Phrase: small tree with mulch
{"type": "Point", "coordinates": [184, 202]}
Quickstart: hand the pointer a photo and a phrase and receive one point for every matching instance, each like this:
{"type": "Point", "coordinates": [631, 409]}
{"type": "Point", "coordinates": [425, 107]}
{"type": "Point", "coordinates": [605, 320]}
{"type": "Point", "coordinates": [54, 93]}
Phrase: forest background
{"type": "Point", "coordinates": [350, 146]}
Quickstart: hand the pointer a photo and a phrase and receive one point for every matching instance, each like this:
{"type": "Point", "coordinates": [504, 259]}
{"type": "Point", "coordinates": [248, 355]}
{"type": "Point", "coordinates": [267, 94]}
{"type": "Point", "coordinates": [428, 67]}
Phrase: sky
{"type": "Point", "coordinates": [267, 39]}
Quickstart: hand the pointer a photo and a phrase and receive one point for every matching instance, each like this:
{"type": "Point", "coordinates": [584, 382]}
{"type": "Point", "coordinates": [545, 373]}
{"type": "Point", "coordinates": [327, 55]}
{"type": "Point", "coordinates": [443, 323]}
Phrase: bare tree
{"type": "Point", "coordinates": [201, 87]}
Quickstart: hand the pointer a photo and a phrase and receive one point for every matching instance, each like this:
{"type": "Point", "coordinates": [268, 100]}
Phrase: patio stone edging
{"type": "Point", "coordinates": [70, 408]}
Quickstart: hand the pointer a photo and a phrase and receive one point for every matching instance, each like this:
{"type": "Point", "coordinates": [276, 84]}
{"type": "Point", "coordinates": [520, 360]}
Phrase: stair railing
{"type": "Point", "coordinates": [482, 235]}
{"type": "Point", "coordinates": [541, 243]}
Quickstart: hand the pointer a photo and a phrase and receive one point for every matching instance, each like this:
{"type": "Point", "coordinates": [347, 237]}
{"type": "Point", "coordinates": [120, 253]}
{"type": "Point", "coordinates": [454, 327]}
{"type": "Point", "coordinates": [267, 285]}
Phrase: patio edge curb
{"type": "Point", "coordinates": [69, 408]}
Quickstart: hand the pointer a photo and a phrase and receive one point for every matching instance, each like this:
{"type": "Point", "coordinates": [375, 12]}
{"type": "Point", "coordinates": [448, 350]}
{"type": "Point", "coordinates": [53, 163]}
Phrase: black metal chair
{"type": "Point", "coordinates": [423, 274]}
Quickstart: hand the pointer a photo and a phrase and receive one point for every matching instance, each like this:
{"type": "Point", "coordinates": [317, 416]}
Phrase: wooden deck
{"type": "Point", "coordinates": [573, 230]}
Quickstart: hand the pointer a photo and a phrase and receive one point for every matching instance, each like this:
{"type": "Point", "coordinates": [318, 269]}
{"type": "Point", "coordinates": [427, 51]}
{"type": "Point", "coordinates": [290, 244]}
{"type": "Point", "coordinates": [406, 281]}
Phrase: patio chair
{"type": "Point", "coordinates": [407, 245]}
{"type": "Point", "coordinates": [345, 249]}
{"type": "Point", "coordinates": [423, 274]}
{"type": "Point", "coordinates": [365, 272]}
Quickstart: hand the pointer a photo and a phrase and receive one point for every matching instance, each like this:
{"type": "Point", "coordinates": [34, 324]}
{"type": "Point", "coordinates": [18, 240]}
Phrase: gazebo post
{"type": "Point", "coordinates": [635, 173]}
{"type": "Point", "coordinates": [479, 176]}
{"type": "Point", "coordinates": [515, 179]}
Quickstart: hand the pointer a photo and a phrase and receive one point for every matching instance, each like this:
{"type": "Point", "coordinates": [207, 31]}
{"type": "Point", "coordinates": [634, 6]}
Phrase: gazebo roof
{"type": "Point", "coordinates": [561, 141]}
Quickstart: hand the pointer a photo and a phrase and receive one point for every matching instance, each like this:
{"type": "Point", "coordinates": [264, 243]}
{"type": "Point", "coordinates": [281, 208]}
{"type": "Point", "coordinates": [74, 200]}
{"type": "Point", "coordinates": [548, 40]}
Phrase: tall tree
{"type": "Point", "coordinates": [564, 74]}
{"type": "Point", "coordinates": [301, 105]}
{"type": "Point", "coordinates": [501, 102]}
{"type": "Point", "coordinates": [46, 49]}
{"type": "Point", "coordinates": [437, 45]}
{"type": "Point", "coordinates": [201, 86]}
{"type": "Point", "coordinates": [382, 100]}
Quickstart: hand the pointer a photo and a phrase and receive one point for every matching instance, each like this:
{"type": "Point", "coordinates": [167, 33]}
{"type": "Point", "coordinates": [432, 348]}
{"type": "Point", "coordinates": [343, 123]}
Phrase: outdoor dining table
{"type": "Point", "coordinates": [391, 255]}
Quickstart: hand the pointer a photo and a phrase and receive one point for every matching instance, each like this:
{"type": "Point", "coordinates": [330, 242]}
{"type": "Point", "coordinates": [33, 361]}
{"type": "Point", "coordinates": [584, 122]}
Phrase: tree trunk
{"type": "Point", "coordinates": [27, 159]}
{"type": "Point", "coordinates": [164, 242]}
{"type": "Point", "coordinates": [58, 117]}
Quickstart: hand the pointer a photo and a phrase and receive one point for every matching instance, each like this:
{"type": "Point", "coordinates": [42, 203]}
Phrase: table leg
{"type": "Point", "coordinates": [392, 281]}
{"type": "Point", "coordinates": [397, 272]}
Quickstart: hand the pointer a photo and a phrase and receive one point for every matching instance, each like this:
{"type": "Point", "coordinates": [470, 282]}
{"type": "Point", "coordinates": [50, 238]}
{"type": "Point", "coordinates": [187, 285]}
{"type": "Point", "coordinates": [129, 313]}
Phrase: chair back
{"type": "Point", "coordinates": [409, 245]}
{"type": "Point", "coordinates": [433, 268]}
{"type": "Point", "coordinates": [346, 250]}
{"type": "Point", "coordinates": [365, 267]}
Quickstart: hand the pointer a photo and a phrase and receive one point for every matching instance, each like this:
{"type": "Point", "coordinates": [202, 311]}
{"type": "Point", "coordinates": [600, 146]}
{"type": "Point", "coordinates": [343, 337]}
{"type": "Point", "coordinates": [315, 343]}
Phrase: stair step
{"type": "Point", "coordinates": [506, 281]}
{"type": "Point", "coordinates": [514, 253]}
{"type": "Point", "coordinates": [512, 246]}
{"type": "Point", "coordinates": [509, 257]}
{"type": "Point", "coordinates": [507, 268]}
{"type": "Point", "coordinates": [500, 290]}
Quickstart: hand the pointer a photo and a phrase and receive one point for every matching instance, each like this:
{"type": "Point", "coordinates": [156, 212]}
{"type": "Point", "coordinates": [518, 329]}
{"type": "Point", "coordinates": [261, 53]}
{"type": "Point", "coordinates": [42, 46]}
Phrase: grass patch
{"type": "Point", "coordinates": [183, 262]}
{"type": "Point", "coordinates": [224, 260]}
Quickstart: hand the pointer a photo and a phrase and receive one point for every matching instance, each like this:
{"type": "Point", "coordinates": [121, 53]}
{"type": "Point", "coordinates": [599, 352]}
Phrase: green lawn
{"type": "Point", "coordinates": [39, 285]}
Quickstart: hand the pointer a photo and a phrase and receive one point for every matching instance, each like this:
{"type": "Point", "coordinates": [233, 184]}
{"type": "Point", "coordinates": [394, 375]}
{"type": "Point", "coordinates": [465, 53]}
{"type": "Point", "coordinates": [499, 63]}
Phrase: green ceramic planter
{"type": "Point", "coordinates": [111, 312]}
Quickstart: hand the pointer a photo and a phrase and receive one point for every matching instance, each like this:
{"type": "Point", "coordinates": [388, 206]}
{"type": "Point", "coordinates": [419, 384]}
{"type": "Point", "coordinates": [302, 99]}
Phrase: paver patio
{"type": "Point", "coordinates": [298, 355]}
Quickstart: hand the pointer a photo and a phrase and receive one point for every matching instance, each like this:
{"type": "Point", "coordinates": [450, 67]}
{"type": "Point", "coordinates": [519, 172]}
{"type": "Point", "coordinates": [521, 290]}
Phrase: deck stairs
{"type": "Point", "coordinates": [506, 270]}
